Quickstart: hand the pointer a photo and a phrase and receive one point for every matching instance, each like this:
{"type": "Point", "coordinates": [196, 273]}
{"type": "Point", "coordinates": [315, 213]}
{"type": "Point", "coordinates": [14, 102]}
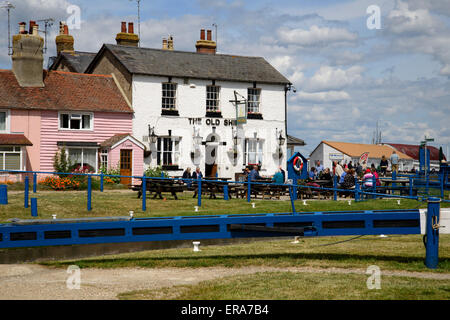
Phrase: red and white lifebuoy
{"type": "Point", "coordinates": [298, 164]}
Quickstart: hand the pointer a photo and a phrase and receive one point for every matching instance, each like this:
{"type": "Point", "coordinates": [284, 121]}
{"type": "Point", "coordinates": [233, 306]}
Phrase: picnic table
{"type": "Point", "coordinates": [212, 186]}
{"type": "Point", "coordinates": [310, 189]}
{"type": "Point", "coordinates": [158, 186]}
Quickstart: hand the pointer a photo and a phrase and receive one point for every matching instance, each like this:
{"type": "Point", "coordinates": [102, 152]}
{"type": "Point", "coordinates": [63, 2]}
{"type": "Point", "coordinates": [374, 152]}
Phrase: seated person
{"type": "Point", "coordinates": [325, 174]}
{"type": "Point", "coordinates": [349, 180]}
{"type": "Point", "coordinates": [278, 178]}
{"type": "Point", "coordinates": [312, 173]}
{"type": "Point", "coordinates": [254, 174]}
{"type": "Point", "coordinates": [187, 175]}
{"type": "Point", "coordinates": [342, 177]}
{"type": "Point", "coordinates": [367, 180]}
{"type": "Point", "coordinates": [197, 174]}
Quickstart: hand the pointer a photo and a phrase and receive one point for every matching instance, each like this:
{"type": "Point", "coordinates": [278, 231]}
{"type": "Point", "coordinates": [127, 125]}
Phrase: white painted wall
{"type": "Point", "coordinates": [191, 103]}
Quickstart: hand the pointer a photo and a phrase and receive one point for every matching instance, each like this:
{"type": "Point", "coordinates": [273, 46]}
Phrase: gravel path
{"type": "Point", "coordinates": [27, 281]}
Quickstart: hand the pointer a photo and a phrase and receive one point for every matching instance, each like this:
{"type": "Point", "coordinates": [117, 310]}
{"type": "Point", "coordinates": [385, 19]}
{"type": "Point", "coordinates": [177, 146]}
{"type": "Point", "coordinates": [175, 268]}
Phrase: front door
{"type": "Point", "coordinates": [125, 166]}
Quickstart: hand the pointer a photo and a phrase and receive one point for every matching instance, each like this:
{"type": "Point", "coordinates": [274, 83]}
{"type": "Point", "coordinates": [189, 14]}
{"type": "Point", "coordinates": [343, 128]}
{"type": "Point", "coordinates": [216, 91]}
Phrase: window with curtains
{"type": "Point", "coordinates": [253, 152]}
{"type": "Point", "coordinates": [168, 151]}
{"type": "Point", "coordinates": [212, 99]}
{"type": "Point", "coordinates": [254, 100]}
{"type": "Point", "coordinates": [83, 158]}
{"type": "Point", "coordinates": [10, 158]}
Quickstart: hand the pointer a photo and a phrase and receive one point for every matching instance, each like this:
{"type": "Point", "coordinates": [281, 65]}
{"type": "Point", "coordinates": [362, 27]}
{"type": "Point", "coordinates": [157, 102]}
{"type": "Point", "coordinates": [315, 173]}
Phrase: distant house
{"type": "Point", "coordinates": [344, 152]}
{"type": "Point", "coordinates": [41, 112]}
{"type": "Point", "coordinates": [414, 151]}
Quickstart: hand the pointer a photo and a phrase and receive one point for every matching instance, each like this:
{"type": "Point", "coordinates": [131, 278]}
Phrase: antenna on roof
{"type": "Point", "coordinates": [8, 6]}
{"type": "Point", "coordinates": [47, 23]}
{"type": "Point", "coordinates": [217, 46]}
{"type": "Point", "coordinates": [139, 20]}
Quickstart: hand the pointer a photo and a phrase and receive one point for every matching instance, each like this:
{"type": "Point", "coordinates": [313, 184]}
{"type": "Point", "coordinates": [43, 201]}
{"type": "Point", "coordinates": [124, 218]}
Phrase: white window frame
{"type": "Point", "coordinates": [164, 106]}
{"type": "Point", "coordinates": [259, 153]}
{"type": "Point", "coordinates": [82, 155]}
{"type": "Point", "coordinates": [251, 108]}
{"type": "Point", "coordinates": [20, 153]}
{"type": "Point", "coordinates": [213, 105]}
{"type": "Point", "coordinates": [104, 154]}
{"type": "Point", "coordinates": [91, 123]}
{"type": "Point", "coordinates": [7, 121]}
{"type": "Point", "coordinates": [176, 154]}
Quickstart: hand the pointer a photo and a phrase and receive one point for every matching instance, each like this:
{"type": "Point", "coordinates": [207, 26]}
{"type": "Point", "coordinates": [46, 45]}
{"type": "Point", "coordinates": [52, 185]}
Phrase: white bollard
{"type": "Point", "coordinates": [304, 203]}
{"type": "Point", "coordinates": [253, 205]}
{"type": "Point", "coordinates": [349, 202]}
{"type": "Point", "coordinates": [196, 244]}
{"type": "Point", "coordinates": [383, 236]}
{"type": "Point", "coordinates": [131, 214]}
{"type": "Point", "coordinates": [196, 209]}
{"type": "Point", "coordinates": [296, 240]}
{"type": "Point", "coordinates": [54, 216]}
{"type": "Point", "coordinates": [398, 202]}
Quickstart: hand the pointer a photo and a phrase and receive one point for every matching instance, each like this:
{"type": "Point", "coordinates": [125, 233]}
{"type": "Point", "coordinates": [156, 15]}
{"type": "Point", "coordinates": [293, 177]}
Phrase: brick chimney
{"type": "Point", "coordinates": [206, 45]}
{"type": "Point", "coordinates": [64, 41]}
{"type": "Point", "coordinates": [28, 56]}
{"type": "Point", "coordinates": [127, 38]}
{"type": "Point", "coordinates": [167, 43]}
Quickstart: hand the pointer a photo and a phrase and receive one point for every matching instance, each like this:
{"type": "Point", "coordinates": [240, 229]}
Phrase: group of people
{"type": "Point", "coordinates": [345, 174]}
{"type": "Point", "coordinates": [279, 177]}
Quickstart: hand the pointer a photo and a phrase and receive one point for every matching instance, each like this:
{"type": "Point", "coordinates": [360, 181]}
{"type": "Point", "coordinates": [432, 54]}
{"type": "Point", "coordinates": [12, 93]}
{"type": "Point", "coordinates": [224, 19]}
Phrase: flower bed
{"type": "Point", "coordinates": [58, 183]}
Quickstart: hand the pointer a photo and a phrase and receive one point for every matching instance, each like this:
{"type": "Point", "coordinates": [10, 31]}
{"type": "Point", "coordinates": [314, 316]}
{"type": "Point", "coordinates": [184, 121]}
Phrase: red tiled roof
{"type": "Point", "coordinates": [14, 140]}
{"type": "Point", "coordinates": [413, 150]}
{"type": "Point", "coordinates": [63, 91]}
{"type": "Point", "coordinates": [114, 139]}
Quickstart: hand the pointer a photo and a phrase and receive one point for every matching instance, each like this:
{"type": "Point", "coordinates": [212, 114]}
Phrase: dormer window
{"type": "Point", "coordinates": [76, 121]}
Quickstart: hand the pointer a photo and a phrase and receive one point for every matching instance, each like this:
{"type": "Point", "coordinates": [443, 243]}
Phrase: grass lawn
{"type": "Point", "coordinates": [405, 253]}
{"type": "Point", "coordinates": [120, 202]}
{"type": "Point", "coordinates": [300, 286]}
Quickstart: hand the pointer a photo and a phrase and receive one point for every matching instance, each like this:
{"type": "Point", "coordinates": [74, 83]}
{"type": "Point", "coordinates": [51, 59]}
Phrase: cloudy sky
{"type": "Point", "coordinates": [347, 77]}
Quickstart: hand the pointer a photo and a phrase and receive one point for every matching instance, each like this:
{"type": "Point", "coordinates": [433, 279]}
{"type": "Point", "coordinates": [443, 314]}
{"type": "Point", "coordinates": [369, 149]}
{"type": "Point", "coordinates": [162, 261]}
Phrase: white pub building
{"type": "Point", "coordinates": [185, 106]}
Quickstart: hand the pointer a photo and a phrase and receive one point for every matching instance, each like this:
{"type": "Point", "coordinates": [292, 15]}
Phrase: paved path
{"type": "Point", "coordinates": [29, 281]}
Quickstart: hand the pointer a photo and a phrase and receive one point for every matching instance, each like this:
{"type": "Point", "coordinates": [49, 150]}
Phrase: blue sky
{"type": "Point", "coordinates": [347, 76]}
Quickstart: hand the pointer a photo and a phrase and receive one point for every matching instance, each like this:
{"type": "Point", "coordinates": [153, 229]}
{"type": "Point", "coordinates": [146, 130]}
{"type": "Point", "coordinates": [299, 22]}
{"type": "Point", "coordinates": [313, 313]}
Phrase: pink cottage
{"type": "Point", "coordinates": [41, 112]}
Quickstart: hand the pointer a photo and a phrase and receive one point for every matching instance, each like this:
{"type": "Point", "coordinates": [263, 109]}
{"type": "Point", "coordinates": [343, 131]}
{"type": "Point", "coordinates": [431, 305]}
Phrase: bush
{"type": "Point", "coordinates": [61, 183]}
{"type": "Point", "coordinates": [61, 163]}
{"type": "Point", "coordinates": [155, 172]}
{"type": "Point", "coordinates": [111, 172]}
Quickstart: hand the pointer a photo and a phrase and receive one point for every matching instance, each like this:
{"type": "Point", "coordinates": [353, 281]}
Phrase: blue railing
{"type": "Point", "coordinates": [359, 192]}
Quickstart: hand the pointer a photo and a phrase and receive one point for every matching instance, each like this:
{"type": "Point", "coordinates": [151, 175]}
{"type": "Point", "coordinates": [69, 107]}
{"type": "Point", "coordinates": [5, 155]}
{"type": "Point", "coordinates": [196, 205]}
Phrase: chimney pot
{"type": "Point", "coordinates": [124, 27]}
{"type": "Point", "coordinates": [66, 29]}
{"type": "Point", "coordinates": [202, 34]}
{"type": "Point", "coordinates": [22, 27]}
{"type": "Point", "coordinates": [32, 23]}
{"type": "Point", "coordinates": [131, 27]}
{"type": "Point", "coordinates": [209, 35]}
{"type": "Point", "coordinates": [164, 45]}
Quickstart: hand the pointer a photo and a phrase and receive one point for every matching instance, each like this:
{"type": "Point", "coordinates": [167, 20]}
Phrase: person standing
{"type": "Point", "coordinates": [394, 161]}
{"type": "Point", "coordinates": [384, 164]}
{"type": "Point", "coordinates": [339, 170]}
{"type": "Point", "coordinates": [319, 167]}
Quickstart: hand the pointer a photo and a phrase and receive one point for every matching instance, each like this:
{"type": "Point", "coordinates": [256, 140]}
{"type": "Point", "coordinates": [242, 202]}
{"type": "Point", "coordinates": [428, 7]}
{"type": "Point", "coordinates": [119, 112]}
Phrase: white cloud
{"type": "Point", "coordinates": [329, 78]}
{"type": "Point", "coordinates": [320, 97]}
{"type": "Point", "coordinates": [316, 36]}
